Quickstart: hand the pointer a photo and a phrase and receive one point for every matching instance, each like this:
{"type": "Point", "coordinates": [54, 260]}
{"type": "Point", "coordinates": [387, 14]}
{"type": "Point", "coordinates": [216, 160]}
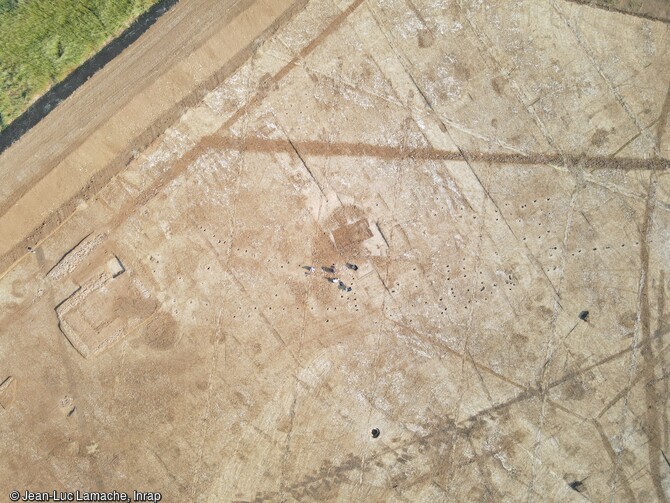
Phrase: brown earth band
{"type": "Point", "coordinates": [55, 196]}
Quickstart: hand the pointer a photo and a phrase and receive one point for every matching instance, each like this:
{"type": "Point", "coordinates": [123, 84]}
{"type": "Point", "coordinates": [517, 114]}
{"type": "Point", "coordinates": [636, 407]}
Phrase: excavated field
{"type": "Point", "coordinates": [497, 175]}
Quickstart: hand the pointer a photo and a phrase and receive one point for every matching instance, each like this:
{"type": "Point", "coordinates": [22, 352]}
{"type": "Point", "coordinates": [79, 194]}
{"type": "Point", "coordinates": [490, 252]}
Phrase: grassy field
{"type": "Point", "coordinates": [41, 41]}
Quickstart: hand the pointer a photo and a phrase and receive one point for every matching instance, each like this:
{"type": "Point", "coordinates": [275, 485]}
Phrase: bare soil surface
{"type": "Point", "coordinates": [391, 251]}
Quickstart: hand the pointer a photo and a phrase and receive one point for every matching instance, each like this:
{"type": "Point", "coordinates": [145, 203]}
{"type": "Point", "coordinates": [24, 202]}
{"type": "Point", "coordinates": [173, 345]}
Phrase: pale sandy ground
{"type": "Point", "coordinates": [492, 168]}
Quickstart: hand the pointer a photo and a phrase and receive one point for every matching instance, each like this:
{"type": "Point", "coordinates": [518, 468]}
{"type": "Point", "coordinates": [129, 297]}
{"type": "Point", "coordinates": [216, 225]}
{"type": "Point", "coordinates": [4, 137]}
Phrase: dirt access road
{"type": "Point", "coordinates": [111, 88]}
{"type": "Point", "coordinates": [122, 109]}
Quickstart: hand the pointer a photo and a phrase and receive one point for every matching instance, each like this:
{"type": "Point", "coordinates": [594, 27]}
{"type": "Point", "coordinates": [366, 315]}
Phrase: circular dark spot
{"type": "Point", "coordinates": [375, 432]}
{"type": "Point", "coordinates": [577, 485]}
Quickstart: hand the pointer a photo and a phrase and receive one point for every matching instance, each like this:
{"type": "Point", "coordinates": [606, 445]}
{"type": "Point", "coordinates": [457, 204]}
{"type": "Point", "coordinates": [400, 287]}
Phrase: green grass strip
{"type": "Point", "coordinates": [42, 41]}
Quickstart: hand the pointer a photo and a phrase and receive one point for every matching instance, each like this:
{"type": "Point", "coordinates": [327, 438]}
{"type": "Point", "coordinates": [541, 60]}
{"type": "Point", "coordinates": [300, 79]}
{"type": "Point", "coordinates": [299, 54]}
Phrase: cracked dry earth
{"type": "Point", "coordinates": [494, 169]}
